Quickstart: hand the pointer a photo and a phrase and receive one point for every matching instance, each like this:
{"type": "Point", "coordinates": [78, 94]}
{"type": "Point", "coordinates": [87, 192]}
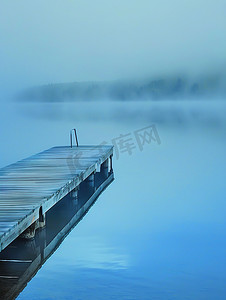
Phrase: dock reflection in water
{"type": "Point", "coordinates": [21, 260]}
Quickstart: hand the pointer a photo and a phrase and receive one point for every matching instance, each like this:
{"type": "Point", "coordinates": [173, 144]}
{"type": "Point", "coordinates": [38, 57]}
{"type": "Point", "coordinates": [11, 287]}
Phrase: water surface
{"type": "Point", "coordinates": [158, 232]}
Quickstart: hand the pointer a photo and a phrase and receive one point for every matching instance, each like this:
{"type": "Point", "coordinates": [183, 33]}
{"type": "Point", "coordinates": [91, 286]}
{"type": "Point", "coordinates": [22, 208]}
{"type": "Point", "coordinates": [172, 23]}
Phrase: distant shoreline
{"type": "Point", "coordinates": [150, 90]}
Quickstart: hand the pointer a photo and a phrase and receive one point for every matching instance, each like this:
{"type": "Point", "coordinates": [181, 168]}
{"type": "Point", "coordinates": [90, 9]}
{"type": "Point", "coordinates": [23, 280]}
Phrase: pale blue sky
{"type": "Point", "coordinates": [58, 41]}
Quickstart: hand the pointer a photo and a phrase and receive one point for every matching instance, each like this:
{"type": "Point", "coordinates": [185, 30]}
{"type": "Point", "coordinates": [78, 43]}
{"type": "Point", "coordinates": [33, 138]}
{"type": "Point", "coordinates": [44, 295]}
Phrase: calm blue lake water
{"type": "Point", "coordinates": [159, 230]}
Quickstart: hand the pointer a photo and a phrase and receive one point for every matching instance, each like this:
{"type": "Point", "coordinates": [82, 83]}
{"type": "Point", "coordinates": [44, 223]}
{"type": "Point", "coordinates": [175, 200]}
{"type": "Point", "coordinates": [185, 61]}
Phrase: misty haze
{"type": "Point", "coordinates": [149, 78]}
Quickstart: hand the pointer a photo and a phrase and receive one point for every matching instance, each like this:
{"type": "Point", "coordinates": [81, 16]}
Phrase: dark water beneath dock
{"type": "Point", "coordinates": [159, 230]}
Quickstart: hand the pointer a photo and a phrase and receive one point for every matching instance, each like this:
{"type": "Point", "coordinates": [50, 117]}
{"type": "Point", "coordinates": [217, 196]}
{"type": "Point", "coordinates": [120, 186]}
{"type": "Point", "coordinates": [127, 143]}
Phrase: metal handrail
{"type": "Point", "coordinates": [76, 138]}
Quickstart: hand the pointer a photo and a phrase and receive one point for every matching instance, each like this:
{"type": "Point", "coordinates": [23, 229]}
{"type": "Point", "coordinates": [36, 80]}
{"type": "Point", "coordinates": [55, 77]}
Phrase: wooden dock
{"type": "Point", "coordinates": [20, 261]}
{"type": "Point", "coordinates": [30, 187]}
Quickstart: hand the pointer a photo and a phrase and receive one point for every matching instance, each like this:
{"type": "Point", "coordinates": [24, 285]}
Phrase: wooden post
{"type": "Point", "coordinates": [29, 233]}
{"type": "Point", "coordinates": [42, 221]}
{"type": "Point", "coordinates": [91, 181]}
{"type": "Point", "coordinates": [105, 167]}
{"type": "Point", "coordinates": [74, 195]}
{"type": "Point", "coordinates": [42, 218]}
{"type": "Point", "coordinates": [111, 167]}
